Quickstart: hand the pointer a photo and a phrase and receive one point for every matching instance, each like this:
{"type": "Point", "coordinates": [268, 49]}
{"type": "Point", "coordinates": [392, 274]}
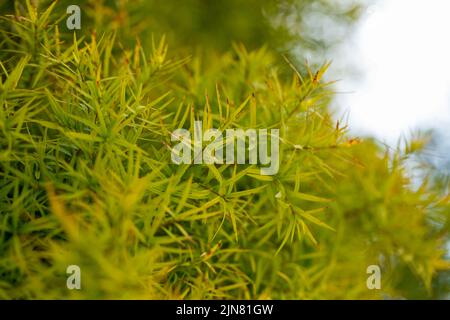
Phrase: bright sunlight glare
{"type": "Point", "coordinates": [403, 51]}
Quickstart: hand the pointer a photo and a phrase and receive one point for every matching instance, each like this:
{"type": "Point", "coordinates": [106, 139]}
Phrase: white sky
{"type": "Point", "coordinates": [402, 49]}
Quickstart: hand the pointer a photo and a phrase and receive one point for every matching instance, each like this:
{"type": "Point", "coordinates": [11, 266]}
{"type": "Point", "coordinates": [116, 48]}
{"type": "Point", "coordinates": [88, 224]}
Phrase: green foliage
{"type": "Point", "coordinates": [86, 177]}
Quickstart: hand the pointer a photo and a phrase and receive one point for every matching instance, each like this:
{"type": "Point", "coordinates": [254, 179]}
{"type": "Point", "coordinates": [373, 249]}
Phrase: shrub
{"type": "Point", "coordinates": [86, 178]}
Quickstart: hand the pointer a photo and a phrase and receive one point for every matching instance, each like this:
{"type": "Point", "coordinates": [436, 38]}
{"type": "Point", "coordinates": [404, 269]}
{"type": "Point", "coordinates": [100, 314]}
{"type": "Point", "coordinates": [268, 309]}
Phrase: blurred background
{"type": "Point", "coordinates": [400, 84]}
{"type": "Point", "coordinates": [395, 77]}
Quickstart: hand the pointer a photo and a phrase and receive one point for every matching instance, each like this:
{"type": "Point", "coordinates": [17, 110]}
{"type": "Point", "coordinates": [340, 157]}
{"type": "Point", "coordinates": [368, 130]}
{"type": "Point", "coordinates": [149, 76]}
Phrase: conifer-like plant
{"type": "Point", "coordinates": [86, 176]}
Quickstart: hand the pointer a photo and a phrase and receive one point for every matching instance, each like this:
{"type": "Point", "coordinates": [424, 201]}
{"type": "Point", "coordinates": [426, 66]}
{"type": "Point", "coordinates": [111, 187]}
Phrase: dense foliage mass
{"type": "Point", "coordinates": [86, 176]}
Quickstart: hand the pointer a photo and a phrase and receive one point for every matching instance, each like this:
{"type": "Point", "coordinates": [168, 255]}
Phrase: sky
{"type": "Point", "coordinates": [401, 49]}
